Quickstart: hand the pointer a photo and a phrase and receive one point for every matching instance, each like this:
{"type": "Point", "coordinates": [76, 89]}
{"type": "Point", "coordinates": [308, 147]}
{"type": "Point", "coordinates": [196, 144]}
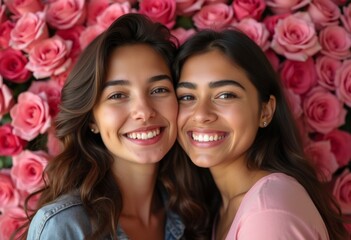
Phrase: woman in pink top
{"type": "Point", "coordinates": [234, 120]}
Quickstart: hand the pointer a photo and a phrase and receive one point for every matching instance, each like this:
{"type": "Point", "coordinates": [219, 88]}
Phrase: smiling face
{"type": "Point", "coordinates": [219, 112]}
{"type": "Point", "coordinates": [137, 110]}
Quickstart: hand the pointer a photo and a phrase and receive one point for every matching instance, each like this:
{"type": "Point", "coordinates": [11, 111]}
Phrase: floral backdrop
{"type": "Point", "coordinates": [307, 41]}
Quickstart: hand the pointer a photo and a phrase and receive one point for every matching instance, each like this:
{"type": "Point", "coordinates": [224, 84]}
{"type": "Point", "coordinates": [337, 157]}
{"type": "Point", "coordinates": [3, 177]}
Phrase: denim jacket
{"type": "Point", "coordinates": [66, 219]}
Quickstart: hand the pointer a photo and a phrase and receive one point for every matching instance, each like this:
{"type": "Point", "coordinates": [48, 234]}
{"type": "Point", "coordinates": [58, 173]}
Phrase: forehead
{"type": "Point", "coordinates": [210, 66]}
{"type": "Point", "coordinates": [138, 51]}
{"type": "Point", "coordinates": [133, 60]}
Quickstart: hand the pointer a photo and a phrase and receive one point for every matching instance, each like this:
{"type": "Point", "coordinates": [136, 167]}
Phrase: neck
{"type": "Point", "coordinates": [137, 184]}
{"type": "Point", "coordinates": [234, 180]}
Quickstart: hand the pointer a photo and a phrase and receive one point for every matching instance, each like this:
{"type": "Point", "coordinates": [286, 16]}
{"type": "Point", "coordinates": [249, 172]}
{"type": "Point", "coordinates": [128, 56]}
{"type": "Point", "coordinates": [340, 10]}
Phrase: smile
{"type": "Point", "coordinates": [207, 137]}
{"type": "Point", "coordinates": [144, 135]}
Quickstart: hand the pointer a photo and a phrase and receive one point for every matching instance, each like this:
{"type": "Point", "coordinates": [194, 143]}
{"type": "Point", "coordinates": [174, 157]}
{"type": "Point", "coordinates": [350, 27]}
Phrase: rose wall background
{"type": "Point", "coordinates": [307, 41]}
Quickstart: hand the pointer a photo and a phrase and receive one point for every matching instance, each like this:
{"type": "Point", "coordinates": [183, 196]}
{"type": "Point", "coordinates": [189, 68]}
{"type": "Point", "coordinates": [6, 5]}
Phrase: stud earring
{"type": "Point", "coordinates": [264, 124]}
{"type": "Point", "coordinates": [93, 130]}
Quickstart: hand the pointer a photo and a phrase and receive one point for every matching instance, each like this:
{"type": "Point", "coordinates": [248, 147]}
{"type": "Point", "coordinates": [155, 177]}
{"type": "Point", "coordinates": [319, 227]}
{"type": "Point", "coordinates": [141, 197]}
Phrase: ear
{"type": "Point", "coordinates": [94, 128]}
{"type": "Point", "coordinates": [267, 112]}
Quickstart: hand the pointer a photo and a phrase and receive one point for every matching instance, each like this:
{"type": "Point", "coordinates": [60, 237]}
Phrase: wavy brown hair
{"type": "Point", "coordinates": [85, 164]}
{"type": "Point", "coordinates": [277, 148]}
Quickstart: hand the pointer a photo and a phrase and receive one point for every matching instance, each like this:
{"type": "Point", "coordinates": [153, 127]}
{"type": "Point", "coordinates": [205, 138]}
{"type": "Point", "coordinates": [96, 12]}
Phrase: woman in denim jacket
{"type": "Point", "coordinates": [120, 173]}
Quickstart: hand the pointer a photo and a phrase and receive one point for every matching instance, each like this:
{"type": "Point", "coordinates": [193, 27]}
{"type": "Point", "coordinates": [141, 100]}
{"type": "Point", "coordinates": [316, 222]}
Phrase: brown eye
{"type": "Point", "coordinates": [117, 96]}
{"type": "Point", "coordinates": [159, 90]}
{"type": "Point", "coordinates": [227, 95]}
{"type": "Point", "coordinates": [185, 98]}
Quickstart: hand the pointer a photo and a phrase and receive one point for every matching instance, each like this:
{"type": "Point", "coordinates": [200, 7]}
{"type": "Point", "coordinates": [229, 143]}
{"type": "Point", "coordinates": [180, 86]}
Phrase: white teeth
{"type": "Point", "coordinates": [206, 137]}
{"type": "Point", "coordinates": [144, 135]}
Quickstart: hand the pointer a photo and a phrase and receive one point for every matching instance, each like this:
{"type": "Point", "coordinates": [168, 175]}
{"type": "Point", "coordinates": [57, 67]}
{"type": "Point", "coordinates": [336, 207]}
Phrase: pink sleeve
{"type": "Point", "coordinates": [273, 225]}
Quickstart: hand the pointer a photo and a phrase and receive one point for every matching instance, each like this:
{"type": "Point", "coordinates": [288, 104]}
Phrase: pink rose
{"type": "Point", "coordinates": [271, 21]}
{"type": "Point", "coordinates": [12, 66]}
{"type": "Point", "coordinates": [188, 7]}
{"type": "Point", "coordinates": [89, 34]}
{"type": "Point", "coordinates": [273, 59]}
{"type": "Point", "coordinates": [324, 13]}
{"type": "Point", "coordinates": [50, 57]}
{"type": "Point", "coordinates": [284, 6]}
{"type": "Point", "coordinates": [131, 2]}
{"type": "Point", "coordinates": [29, 29]}
{"type": "Point", "coordinates": [216, 16]}
{"type": "Point", "coordinates": [9, 196]}
{"type": "Point", "coordinates": [182, 34]}
{"type": "Point", "coordinates": [11, 220]}
{"type": "Point", "coordinates": [53, 94]}
{"type": "Point", "coordinates": [336, 42]}
{"type": "Point", "coordinates": [62, 77]}
{"type": "Point", "coordinates": [342, 191]}
{"type": "Point", "coordinates": [216, 1]}
{"type": "Point", "coordinates": [6, 98]}
{"type": "Point", "coordinates": [346, 17]}
{"type": "Point", "coordinates": [95, 8]}
{"type": "Point", "coordinates": [343, 82]}
{"type": "Point", "coordinates": [54, 145]}
{"type": "Point", "coordinates": [323, 111]}
{"type": "Point", "coordinates": [3, 16]}
{"type": "Point", "coordinates": [30, 116]}
{"type": "Point", "coordinates": [299, 76]}
{"type": "Point", "coordinates": [326, 68]}
{"type": "Point", "coordinates": [340, 2]}
{"type": "Point", "coordinates": [252, 9]}
{"type": "Point", "coordinates": [27, 170]}
{"type": "Point", "coordinates": [20, 7]}
{"type": "Point", "coordinates": [162, 11]}
{"type": "Point", "coordinates": [10, 144]}
{"type": "Point", "coordinates": [340, 145]}
{"type": "Point", "coordinates": [72, 34]}
{"type": "Point", "coordinates": [295, 37]}
{"type": "Point", "coordinates": [347, 223]}
{"type": "Point", "coordinates": [5, 32]}
{"type": "Point", "coordinates": [111, 13]}
{"type": "Point", "coordinates": [64, 14]}
{"type": "Point", "coordinates": [323, 159]}
{"type": "Point", "coordinates": [257, 31]}
{"type": "Point", "coordinates": [294, 101]}
{"type": "Point", "coordinates": [32, 203]}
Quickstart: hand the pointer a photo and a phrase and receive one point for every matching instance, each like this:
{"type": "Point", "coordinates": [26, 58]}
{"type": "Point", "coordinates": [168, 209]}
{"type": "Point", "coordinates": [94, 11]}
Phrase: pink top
{"type": "Point", "coordinates": [277, 207]}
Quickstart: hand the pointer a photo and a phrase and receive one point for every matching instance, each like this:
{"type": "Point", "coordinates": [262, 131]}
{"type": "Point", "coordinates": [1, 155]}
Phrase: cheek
{"type": "Point", "coordinates": [241, 115]}
{"type": "Point", "coordinates": [110, 117]}
{"type": "Point", "coordinates": [183, 116]}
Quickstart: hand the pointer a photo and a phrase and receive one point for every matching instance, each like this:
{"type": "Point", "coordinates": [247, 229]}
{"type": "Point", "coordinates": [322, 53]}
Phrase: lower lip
{"type": "Point", "coordinates": [149, 141]}
{"type": "Point", "coordinates": [206, 144]}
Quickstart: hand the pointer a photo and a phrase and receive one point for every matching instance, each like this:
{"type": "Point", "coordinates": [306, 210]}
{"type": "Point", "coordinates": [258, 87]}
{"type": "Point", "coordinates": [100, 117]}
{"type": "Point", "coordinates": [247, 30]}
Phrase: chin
{"type": "Point", "coordinates": [202, 162]}
{"type": "Point", "coordinates": [149, 159]}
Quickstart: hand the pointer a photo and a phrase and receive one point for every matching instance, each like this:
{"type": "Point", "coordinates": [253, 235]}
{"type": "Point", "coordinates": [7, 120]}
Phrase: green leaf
{"type": "Point", "coordinates": [185, 22]}
{"type": "Point", "coordinates": [347, 125]}
{"type": "Point", "coordinates": [38, 143]}
{"type": "Point", "coordinates": [5, 162]}
{"type": "Point", "coordinates": [6, 119]}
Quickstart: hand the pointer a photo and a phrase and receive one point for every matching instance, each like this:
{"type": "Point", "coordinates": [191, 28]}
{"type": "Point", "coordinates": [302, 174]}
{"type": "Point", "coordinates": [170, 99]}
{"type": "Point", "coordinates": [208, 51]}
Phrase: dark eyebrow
{"type": "Point", "coordinates": [126, 82]}
{"type": "Point", "coordinates": [186, 85]}
{"type": "Point", "coordinates": [216, 84]}
{"type": "Point", "coordinates": [160, 78]}
{"type": "Point", "coordinates": [222, 83]}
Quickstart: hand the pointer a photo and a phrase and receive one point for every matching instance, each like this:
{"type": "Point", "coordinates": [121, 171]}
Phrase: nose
{"type": "Point", "coordinates": [142, 110]}
{"type": "Point", "coordinates": [204, 112]}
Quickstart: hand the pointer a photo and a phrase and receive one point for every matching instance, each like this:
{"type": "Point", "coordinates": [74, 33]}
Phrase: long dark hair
{"type": "Point", "coordinates": [277, 148]}
{"type": "Point", "coordinates": [85, 164]}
